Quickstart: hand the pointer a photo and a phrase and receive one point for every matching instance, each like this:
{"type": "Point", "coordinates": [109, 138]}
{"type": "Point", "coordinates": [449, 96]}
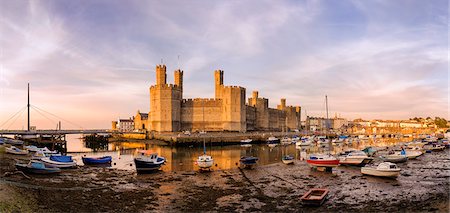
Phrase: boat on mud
{"type": "Point", "coordinates": [96, 160]}
{"type": "Point", "coordinates": [16, 151]}
{"type": "Point", "coordinates": [288, 159]}
{"type": "Point", "coordinates": [315, 197]}
{"type": "Point", "coordinates": [394, 158]}
{"type": "Point", "coordinates": [411, 154]}
{"type": "Point", "coordinates": [385, 169]}
{"type": "Point", "coordinates": [437, 148]}
{"type": "Point", "coordinates": [62, 161]}
{"type": "Point", "coordinates": [321, 160]}
{"type": "Point", "coordinates": [356, 158]}
{"type": "Point", "coordinates": [37, 167]}
{"type": "Point", "coordinates": [147, 162]}
{"type": "Point", "coordinates": [273, 140]}
{"type": "Point", "coordinates": [248, 161]}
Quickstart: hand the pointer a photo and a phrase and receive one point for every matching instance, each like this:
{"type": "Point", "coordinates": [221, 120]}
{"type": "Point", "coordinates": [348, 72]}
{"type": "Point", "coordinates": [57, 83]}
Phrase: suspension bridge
{"type": "Point", "coordinates": [31, 132]}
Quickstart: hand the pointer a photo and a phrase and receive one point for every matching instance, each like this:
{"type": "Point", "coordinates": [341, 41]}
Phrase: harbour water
{"type": "Point", "coordinates": [225, 157]}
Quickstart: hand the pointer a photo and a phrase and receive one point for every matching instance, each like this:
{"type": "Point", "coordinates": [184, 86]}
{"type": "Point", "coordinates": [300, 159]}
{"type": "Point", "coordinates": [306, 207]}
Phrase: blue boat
{"type": "Point", "coordinates": [288, 159]}
{"type": "Point", "coordinates": [99, 160]}
{"type": "Point", "coordinates": [148, 162]}
{"type": "Point", "coordinates": [37, 167]}
{"type": "Point", "coordinates": [248, 161]}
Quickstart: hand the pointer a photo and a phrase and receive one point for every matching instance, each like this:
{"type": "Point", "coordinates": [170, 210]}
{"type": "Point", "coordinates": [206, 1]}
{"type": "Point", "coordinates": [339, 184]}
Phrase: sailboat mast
{"type": "Point", "coordinates": [28, 106]}
{"type": "Point", "coordinates": [326, 105]}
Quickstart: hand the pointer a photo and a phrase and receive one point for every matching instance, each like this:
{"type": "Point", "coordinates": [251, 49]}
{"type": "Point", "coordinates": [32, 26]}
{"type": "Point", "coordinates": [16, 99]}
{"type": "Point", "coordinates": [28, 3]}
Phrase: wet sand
{"type": "Point", "coordinates": [422, 186]}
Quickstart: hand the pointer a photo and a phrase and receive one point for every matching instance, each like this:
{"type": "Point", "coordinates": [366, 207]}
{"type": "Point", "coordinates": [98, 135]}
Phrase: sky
{"type": "Point", "coordinates": [91, 62]}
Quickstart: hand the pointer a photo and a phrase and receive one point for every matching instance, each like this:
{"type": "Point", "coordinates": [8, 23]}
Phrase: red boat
{"type": "Point", "coordinates": [315, 197]}
{"type": "Point", "coordinates": [322, 161]}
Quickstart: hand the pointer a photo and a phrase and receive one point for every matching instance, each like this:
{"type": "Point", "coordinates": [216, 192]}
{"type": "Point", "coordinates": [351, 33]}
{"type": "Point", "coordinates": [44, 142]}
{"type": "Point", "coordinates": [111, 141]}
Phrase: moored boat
{"type": "Point", "coordinates": [246, 141]}
{"type": "Point", "coordinates": [37, 167]}
{"type": "Point", "coordinates": [96, 160]}
{"type": "Point", "coordinates": [385, 169]}
{"type": "Point", "coordinates": [437, 148]}
{"type": "Point", "coordinates": [411, 154]}
{"type": "Point", "coordinates": [321, 160]}
{"type": "Point", "coordinates": [286, 141]}
{"type": "Point", "coordinates": [273, 140]}
{"type": "Point", "coordinates": [205, 161]}
{"type": "Point", "coordinates": [288, 159]}
{"type": "Point", "coordinates": [248, 161]}
{"type": "Point", "coordinates": [13, 142]}
{"type": "Point", "coordinates": [356, 158]}
{"type": "Point", "coordinates": [62, 161]}
{"type": "Point", "coordinates": [394, 158]}
{"type": "Point", "coordinates": [315, 197]}
{"type": "Point", "coordinates": [16, 151]}
{"type": "Point", "coordinates": [147, 161]}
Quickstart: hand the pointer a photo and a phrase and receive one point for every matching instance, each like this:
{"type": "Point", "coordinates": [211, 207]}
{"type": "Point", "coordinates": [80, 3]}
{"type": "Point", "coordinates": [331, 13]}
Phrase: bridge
{"type": "Point", "coordinates": [54, 132]}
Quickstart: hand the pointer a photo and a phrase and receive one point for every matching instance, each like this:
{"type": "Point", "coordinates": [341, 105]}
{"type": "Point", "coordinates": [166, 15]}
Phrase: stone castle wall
{"type": "Point", "coordinates": [228, 111]}
{"type": "Point", "coordinates": [201, 114]}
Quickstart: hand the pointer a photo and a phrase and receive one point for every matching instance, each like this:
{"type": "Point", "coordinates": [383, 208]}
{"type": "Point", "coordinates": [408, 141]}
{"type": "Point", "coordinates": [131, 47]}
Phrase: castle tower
{"type": "Point", "coordinates": [283, 103]}
{"type": "Point", "coordinates": [218, 76]}
{"type": "Point", "coordinates": [178, 75]}
{"type": "Point", "coordinates": [161, 75]}
{"type": "Point", "coordinates": [254, 98]}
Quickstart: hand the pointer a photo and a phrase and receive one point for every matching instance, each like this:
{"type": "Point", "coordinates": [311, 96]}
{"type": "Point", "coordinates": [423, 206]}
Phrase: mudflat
{"type": "Point", "coordinates": [422, 186]}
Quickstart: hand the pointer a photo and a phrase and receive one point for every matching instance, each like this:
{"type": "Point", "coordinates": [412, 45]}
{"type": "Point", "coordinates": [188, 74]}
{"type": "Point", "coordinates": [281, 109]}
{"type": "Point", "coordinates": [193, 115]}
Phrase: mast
{"type": "Point", "coordinates": [28, 106]}
{"type": "Point", "coordinates": [203, 115]}
{"type": "Point", "coordinates": [326, 105]}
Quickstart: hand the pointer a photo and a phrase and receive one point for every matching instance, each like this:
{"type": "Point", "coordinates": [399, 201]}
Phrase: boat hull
{"type": "Point", "coordinates": [288, 161]}
{"type": "Point", "coordinates": [323, 163]}
{"type": "Point", "coordinates": [95, 161]}
{"type": "Point", "coordinates": [355, 161]}
{"type": "Point", "coordinates": [380, 173]}
{"type": "Point", "coordinates": [62, 165]}
{"type": "Point", "coordinates": [144, 166]}
{"type": "Point", "coordinates": [315, 197]}
{"type": "Point", "coordinates": [394, 159]}
{"type": "Point", "coordinates": [27, 169]}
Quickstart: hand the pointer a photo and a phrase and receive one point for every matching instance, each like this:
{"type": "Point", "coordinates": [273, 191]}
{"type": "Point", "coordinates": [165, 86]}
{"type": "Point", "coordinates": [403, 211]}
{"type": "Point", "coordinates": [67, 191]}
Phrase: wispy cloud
{"type": "Point", "coordinates": [94, 61]}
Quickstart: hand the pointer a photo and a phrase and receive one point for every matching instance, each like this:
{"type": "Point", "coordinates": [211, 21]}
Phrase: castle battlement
{"type": "Point", "coordinates": [227, 111]}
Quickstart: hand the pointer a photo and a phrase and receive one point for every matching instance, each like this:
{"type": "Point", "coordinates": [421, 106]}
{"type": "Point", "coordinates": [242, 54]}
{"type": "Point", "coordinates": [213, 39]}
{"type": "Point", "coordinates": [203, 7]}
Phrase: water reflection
{"type": "Point", "coordinates": [226, 157]}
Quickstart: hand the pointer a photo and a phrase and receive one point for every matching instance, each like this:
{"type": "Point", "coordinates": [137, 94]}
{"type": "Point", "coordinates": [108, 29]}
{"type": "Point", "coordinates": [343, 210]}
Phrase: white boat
{"type": "Point", "coordinates": [45, 150]}
{"type": "Point", "coordinates": [248, 140]}
{"type": "Point", "coordinates": [273, 140]}
{"type": "Point", "coordinates": [39, 155]}
{"type": "Point", "coordinates": [303, 143]}
{"type": "Point", "coordinates": [356, 158]}
{"type": "Point", "coordinates": [286, 141]}
{"type": "Point", "coordinates": [416, 144]}
{"type": "Point", "coordinates": [394, 158]}
{"type": "Point", "coordinates": [148, 161]}
{"type": "Point", "coordinates": [16, 151]}
{"type": "Point", "coordinates": [246, 145]}
{"type": "Point", "coordinates": [205, 161]}
{"type": "Point", "coordinates": [411, 154]}
{"type": "Point", "coordinates": [59, 161]}
{"type": "Point", "coordinates": [437, 148]}
{"type": "Point", "coordinates": [385, 169]}
{"type": "Point", "coordinates": [287, 159]}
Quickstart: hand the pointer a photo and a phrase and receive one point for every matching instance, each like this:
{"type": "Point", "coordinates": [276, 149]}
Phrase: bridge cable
{"type": "Point", "coordinates": [21, 112]}
{"type": "Point", "coordinates": [51, 120]}
{"type": "Point", "coordinates": [77, 125]}
{"type": "Point", "coordinates": [13, 115]}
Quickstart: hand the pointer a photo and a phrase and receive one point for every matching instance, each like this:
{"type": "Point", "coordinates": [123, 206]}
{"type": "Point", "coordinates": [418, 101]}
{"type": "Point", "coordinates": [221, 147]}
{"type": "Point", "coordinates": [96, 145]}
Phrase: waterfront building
{"type": "Point", "coordinates": [125, 125]}
{"type": "Point", "coordinates": [227, 111]}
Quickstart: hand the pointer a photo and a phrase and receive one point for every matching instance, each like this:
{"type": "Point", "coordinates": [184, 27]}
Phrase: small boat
{"type": "Point", "coordinates": [385, 169]}
{"type": "Point", "coordinates": [205, 161]}
{"type": "Point", "coordinates": [394, 158]}
{"type": "Point", "coordinates": [321, 160]}
{"type": "Point", "coordinates": [45, 150]}
{"type": "Point", "coordinates": [410, 153]}
{"type": "Point", "coordinates": [273, 140]}
{"type": "Point", "coordinates": [369, 151]}
{"type": "Point", "coordinates": [39, 155]}
{"type": "Point", "coordinates": [286, 141]}
{"type": "Point", "coordinates": [97, 160]}
{"type": "Point", "coordinates": [437, 148]}
{"type": "Point", "coordinates": [303, 143]}
{"type": "Point", "coordinates": [246, 145]}
{"type": "Point", "coordinates": [248, 161]}
{"type": "Point", "coordinates": [356, 158]}
{"type": "Point", "coordinates": [315, 197]}
{"type": "Point", "coordinates": [62, 161]}
{"type": "Point", "coordinates": [37, 167]}
{"type": "Point", "coordinates": [245, 141]}
{"type": "Point", "coordinates": [13, 142]}
{"type": "Point", "coordinates": [147, 161]}
{"type": "Point", "coordinates": [16, 151]}
{"type": "Point", "coordinates": [288, 159]}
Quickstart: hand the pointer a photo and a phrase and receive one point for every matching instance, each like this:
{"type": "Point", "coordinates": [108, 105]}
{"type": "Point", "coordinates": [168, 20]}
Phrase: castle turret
{"type": "Point", "coordinates": [178, 75]}
{"type": "Point", "coordinates": [218, 76]}
{"type": "Point", "coordinates": [254, 98]}
{"type": "Point", "coordinates": [161, 76]}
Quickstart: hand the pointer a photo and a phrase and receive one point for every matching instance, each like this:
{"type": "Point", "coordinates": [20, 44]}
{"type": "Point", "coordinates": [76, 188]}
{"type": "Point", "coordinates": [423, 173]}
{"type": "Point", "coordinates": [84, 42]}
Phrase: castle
{"type": "Point", "coordinates": [227, 111]}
